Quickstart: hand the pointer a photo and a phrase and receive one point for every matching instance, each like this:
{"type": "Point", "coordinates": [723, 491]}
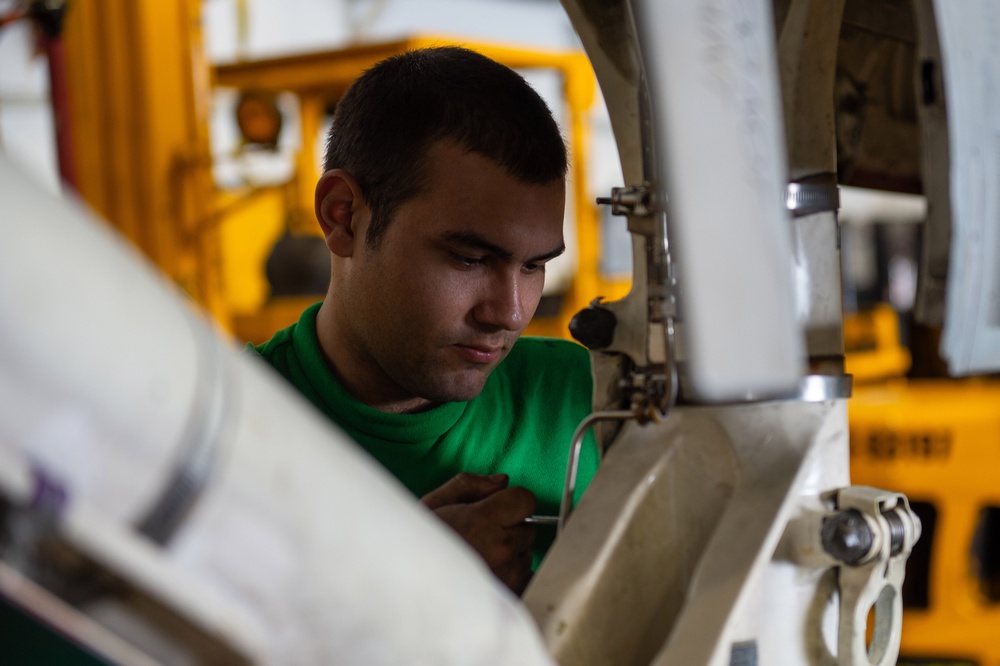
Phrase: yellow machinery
{"type": "Point", "coordinates": [149, 171]}
{"type": "Point", "coordinates": [938, 441]}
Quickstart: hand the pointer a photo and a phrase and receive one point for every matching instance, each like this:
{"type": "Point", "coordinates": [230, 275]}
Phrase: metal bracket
{"type": "Point", "coordinates": [870, 536]}
{"type": "Point", "coordinates": [633, 200]}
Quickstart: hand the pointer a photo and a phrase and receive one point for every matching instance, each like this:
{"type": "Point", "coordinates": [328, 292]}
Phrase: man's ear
{"type": "Point", "coordinates": [340, 209]}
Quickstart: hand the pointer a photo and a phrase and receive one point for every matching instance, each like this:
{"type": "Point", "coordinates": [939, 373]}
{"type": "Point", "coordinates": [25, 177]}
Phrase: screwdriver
{"type": "Point", "coordinates": [542, 520]}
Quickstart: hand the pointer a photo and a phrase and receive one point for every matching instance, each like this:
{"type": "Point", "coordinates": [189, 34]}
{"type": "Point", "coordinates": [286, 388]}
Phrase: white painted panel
{"type": "Point", "coordinates": [970, 55]}
{"type": "Point", "coordinates": [714, 83]}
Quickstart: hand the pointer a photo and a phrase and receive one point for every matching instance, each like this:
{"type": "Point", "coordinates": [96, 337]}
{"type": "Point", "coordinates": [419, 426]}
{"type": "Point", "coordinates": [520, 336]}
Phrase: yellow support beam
{"type": "Point", "coordinates": [139, 96]}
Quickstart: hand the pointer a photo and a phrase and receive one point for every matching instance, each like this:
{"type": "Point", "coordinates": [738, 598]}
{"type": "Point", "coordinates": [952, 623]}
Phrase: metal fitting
{"type": "Point", "coordinates": [631, 200]}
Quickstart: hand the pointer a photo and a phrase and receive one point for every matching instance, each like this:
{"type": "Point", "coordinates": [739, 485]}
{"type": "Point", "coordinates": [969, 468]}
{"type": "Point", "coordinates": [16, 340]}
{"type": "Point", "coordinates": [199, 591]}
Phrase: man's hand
{"type": "Point", "coordinates": [490, 517]}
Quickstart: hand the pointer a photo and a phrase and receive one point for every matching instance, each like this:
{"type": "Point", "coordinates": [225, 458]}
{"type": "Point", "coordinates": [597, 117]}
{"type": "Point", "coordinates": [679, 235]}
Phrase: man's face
{"type": "Point", "coordinates": [455, 279]}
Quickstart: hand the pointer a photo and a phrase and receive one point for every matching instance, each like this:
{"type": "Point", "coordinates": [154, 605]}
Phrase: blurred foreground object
{"type": "Point", "coordinates": [166, 498]}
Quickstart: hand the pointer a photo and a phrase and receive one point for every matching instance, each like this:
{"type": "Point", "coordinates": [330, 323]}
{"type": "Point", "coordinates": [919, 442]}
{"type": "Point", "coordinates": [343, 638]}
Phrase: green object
{"type": "Point", "coordinates": [521, 424]}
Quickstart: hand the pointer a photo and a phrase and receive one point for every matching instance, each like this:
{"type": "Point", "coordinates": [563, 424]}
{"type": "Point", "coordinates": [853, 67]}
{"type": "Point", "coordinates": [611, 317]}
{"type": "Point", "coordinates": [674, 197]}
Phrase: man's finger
{"type": "Point", "coordinates": [516, 573]}
{"type": "Point", "coordinates": [510, 506]}
{"type": "Point", "coordinates": [521, 537]}
{"type": "Point", "coordinates": [464, 488]}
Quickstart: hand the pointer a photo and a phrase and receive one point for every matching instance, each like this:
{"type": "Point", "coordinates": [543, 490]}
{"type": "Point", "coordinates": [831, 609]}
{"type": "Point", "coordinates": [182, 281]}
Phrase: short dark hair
{"type": "Point", "coordinates": [390, 116]}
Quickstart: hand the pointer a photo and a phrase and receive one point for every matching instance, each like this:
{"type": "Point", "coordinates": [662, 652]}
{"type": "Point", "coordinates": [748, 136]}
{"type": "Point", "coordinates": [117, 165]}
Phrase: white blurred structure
{"type": "Point", "coordinates": [179, 494]}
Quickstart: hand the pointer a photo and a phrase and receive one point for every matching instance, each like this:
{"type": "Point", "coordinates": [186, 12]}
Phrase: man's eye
{"type": "Point", "coordinates": [468, 262]}
{"type": "Point", "coordinates": [533, 268]}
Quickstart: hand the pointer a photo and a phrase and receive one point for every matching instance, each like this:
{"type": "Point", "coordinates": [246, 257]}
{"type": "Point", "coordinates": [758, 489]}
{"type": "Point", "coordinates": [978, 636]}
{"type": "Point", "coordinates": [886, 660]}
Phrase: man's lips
{"type": "Point", "coordinates": [479, 353]}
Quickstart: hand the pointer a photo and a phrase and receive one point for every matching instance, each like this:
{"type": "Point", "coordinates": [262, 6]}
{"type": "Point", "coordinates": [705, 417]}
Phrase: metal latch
{"type": "Point", "coordinates": [870, 537]}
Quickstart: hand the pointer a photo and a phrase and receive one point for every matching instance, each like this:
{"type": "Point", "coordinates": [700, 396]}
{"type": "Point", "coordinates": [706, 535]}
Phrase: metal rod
{"type": "Point", "coordinates": [542, 520]}
{"type": "Point", "coordinates": [574, 457]}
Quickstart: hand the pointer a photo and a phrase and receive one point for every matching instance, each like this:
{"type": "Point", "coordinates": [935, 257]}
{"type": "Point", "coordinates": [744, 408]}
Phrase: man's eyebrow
{"type": "Point", "coordinates": [472, 239]}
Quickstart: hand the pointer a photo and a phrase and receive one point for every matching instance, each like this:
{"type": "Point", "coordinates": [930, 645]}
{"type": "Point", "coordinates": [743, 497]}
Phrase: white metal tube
{"type": "Point", "coordinates": [108, 382]}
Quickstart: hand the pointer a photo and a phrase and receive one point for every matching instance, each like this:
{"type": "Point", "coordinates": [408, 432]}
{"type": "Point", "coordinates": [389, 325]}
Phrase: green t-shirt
{"type": "Point", "coordinates": [521, 424]}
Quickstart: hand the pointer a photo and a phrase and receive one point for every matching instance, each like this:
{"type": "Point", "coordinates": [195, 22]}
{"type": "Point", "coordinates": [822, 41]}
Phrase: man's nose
{"type": "Point", "coordinates": [504, 302]}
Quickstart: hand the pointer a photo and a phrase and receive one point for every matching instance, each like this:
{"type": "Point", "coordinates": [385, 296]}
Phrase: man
{"type": "Point", "coordinates": [441, 202]}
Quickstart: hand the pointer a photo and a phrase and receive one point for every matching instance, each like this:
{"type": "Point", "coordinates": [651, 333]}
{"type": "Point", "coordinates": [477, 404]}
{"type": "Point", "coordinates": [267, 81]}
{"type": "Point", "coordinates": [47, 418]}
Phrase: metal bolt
{"type": "Point", "coordinates": [847, 536]}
